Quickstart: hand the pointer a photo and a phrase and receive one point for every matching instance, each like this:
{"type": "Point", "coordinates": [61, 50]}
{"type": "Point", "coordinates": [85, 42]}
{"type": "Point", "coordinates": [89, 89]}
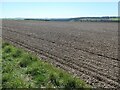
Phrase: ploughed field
{"type": "Point", "coordinates": [86, 49]}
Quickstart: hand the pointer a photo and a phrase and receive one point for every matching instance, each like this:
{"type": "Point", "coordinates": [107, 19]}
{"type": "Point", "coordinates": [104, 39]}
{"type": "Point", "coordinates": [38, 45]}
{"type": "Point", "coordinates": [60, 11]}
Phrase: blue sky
{"type": "Point", "coordinates": [58, 9]}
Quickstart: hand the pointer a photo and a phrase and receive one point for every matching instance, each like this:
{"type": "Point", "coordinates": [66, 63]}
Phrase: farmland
{"type": "Point", "coordinates": [88, 50]}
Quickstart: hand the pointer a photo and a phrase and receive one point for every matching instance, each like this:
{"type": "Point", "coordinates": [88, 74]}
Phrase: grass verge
{"type": "Point", "coordinates": [21, 69]}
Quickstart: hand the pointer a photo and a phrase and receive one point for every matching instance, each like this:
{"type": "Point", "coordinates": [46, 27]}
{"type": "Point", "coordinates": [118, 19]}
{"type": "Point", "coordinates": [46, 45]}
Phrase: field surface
{"type": "Point", "coordinates": [86, 49]}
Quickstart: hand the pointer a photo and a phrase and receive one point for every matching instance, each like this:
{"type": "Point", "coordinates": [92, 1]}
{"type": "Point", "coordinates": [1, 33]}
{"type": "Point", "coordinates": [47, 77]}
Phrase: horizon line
{"type": "Point", "coordinates": [59, 17]}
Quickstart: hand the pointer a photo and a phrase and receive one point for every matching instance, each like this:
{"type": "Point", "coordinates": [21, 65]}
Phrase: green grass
{"type": "Point", "coordinates": [115, 19]}
{"type": "Point", "coordinates": [21, 69]}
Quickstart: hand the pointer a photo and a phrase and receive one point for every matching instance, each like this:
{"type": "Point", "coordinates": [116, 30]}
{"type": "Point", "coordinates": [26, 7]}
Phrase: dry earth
{"type": "Point", "coordinates": [86, 49]}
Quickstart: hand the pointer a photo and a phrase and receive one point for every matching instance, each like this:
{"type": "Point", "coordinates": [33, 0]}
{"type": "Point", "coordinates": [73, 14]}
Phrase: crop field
{"type": "Point", "coordinates": [88, 50]}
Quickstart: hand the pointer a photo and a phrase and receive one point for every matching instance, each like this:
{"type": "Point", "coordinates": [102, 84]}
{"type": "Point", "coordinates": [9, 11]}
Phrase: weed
{"type": "Point", "coordinates": [5, 44]}
{"type": "Point", "coordinates": [23, 70]}
{"type": "Point", "coordinates": [26, 61]}
{"type": "Point", "coordinates": [71, 84]}
{"type": "Point", "coordinates": [54, 80]}
{"type": "Point", "coordinates": [17, 54]}
{"type": "Point", "coordinates": [7, 50]}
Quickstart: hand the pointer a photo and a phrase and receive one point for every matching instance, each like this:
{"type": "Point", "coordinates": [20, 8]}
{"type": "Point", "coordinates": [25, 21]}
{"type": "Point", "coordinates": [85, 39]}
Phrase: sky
{"type": "Point", "coordinates": [59, 0]}
{"type": "Point", "coordinates": [58, 9]}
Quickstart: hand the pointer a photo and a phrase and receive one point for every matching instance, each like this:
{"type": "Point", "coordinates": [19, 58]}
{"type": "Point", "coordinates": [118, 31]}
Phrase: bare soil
{"type": "Point", "coordinates": [86, 49]}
